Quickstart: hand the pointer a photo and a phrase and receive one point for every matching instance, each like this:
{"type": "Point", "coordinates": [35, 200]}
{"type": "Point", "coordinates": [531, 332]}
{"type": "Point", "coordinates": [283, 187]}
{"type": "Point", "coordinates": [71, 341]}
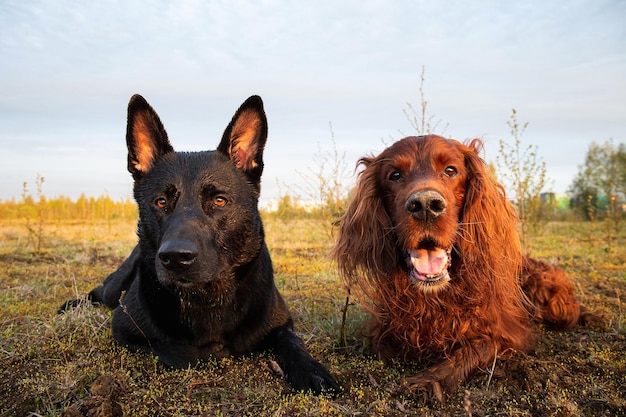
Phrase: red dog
{"type": "Point", "coordinates": [429, 244]}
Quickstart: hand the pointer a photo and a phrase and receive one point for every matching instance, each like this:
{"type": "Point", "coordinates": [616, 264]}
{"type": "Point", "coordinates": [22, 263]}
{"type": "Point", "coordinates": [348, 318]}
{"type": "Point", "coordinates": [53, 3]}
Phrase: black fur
{"type": "Point", "coordinates": [200, 282]}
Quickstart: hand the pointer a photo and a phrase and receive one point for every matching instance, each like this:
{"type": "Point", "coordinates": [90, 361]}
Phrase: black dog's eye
{"type": "Point", "coordinates": [161, 202]}
{"type": "Point", "coordinates": [395, 176]}
{"type": "Point", "coordinates": [166, 198]}
{"type": "Point", "coordinates": [219, 201]}
{"type": "Point", "coordinates": [450, 171]}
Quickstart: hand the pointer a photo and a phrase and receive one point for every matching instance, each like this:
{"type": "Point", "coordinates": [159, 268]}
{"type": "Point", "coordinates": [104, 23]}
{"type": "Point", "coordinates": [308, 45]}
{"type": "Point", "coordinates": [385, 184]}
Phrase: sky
{"type": "Point", "coordinates": [334, 76]}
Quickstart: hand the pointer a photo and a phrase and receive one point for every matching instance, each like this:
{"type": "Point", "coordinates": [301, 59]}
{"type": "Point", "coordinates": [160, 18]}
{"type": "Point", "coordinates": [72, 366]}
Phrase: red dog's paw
{"type": "Point", "coordinates": [425, 385]}
{"type": "Point", "coordinates": [590, 319]}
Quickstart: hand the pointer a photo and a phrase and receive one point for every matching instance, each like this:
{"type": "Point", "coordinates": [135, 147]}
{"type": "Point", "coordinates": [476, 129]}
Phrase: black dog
{"type": "Point", "coordinates": [200, 282]}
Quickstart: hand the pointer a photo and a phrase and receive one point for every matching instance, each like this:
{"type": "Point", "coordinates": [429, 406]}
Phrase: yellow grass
{"type": "Point", "coordinates": [50, 364]}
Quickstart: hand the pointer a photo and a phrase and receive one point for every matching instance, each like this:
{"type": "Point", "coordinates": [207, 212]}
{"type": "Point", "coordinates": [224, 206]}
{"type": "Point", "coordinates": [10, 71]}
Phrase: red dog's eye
{"type": "Point", "coordinates": [450, 171]}
{"type": "Point", "coordinates": [395, 176]}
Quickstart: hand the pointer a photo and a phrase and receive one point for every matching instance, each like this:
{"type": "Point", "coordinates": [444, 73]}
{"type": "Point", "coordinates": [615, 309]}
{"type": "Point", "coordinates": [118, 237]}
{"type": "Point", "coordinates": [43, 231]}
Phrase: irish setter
{"type": "Point", "coordinates": [429, 245]}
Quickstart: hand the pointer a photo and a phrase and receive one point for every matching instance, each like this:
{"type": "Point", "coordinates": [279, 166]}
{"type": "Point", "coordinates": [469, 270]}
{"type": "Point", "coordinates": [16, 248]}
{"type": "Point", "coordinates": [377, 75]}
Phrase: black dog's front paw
{"type": "Point", "coordinates": [310, 375]}
{"type": "Point", "coordinates": [301, 370]}
{"type": "Point", "coordinates": [70, 305]}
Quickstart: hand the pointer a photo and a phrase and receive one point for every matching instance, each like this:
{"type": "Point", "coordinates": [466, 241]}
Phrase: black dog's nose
{"type": "Point", "coordinates": [177, 254]}
{"type": "Point", "coordinates": [426, 205]}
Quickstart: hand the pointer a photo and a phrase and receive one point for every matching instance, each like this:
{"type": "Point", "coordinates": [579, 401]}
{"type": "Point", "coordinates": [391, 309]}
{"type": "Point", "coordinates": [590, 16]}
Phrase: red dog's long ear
{"type": "Point", "coordinates": [488, 228]}
{"type": "Point", "coordinates": [490, 246]}
{"type": "Point", "coordinates": [146, 137]}
{"type": "Point", "coordinates": [487, 218]}
{"type": "Point", "coordinates": [365, 248]}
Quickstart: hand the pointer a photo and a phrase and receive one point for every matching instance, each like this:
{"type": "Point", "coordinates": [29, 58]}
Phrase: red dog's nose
{"type": "Point", "coordinates": [426, 205]}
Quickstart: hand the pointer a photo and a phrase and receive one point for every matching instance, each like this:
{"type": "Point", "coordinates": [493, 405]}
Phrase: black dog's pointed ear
{"type": "Point", "coordinates": [146, 137]}
{"type": "Point", "coordinates": [244, 138]}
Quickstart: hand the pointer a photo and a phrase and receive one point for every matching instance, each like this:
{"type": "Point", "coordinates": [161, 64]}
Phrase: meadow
{"type": "Point", "coordinates": [69, 364]}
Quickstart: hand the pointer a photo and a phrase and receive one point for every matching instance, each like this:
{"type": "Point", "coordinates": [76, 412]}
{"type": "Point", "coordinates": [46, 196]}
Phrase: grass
{"type": "Point", "coordinates": [67, 364]}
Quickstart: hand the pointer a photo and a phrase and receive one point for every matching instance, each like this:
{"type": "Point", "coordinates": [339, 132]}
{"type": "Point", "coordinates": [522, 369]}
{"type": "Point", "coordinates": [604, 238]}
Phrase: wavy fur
{"type": "Point", "coordinates": [493, 293]}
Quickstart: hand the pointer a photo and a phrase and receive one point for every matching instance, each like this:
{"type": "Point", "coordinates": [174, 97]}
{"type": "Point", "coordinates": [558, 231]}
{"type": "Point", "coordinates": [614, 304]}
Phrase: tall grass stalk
{"type": "Point", "coordinates": [35, 226]}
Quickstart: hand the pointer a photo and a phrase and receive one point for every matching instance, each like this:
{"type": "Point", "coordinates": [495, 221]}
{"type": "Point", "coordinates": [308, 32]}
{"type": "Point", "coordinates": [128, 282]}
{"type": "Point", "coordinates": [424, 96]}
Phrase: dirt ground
{"type": "Point", "coordinates": [70, 365]}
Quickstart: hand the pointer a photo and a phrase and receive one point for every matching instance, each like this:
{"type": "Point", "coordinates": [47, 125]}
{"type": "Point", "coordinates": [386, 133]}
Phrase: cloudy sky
{"type": "Point", "coordinates": [67, 70]}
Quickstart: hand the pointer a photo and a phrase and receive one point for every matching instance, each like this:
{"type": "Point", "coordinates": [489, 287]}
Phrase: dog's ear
{"type": "Point", "coordinates": [244, 138]}
{"type": "Point", "coordinates": [490, 245]}
{"type": "Point", "coordinates": [489, 221]}
{"type": "Point", "coordinates": [146, 137]}
{"type": "Point", "coordinates": [364, 250]}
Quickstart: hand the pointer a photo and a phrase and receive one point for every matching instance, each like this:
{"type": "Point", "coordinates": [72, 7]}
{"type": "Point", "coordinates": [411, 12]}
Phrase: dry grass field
{"type": "Point", "coordinates": [69, 365]}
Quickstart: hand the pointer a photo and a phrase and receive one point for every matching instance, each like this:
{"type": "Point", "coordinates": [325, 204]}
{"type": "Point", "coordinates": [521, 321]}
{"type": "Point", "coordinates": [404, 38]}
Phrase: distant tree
{"type": "Point", "coordinates": [599, 188]}
{"type": "Point", "coordinates": [288, 207]}
{"type": "Point", "coordinates": [584, 199]}
{"type": "Point", "coordinates": [602, 177]}
{"type": "Point", "coordinates": [524, 173]}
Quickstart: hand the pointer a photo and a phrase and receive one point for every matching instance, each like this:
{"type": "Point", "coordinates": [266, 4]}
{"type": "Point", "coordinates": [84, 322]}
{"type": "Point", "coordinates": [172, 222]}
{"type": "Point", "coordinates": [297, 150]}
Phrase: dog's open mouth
{"type": "Point", "coordinates": [428, 264]}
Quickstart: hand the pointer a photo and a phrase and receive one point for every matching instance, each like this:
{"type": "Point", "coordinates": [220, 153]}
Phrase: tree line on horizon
{"type": "Point", "coordinates": [598, 191]}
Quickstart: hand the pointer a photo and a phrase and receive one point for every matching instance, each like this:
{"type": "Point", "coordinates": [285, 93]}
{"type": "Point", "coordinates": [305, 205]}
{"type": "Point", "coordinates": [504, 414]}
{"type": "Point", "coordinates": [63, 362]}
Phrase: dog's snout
{"type": "Point", "coordinates": [426, 205]}
{"type": "Point", "coordinates": [177, 254]}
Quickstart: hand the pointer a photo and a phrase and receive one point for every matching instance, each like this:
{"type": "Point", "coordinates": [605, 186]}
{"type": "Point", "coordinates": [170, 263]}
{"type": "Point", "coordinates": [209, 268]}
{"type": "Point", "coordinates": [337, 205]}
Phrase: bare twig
{"type": "Point", "coordinates": [125, 310]}
{"type": "Point", "coordinates": [344, 315]}
{"type": "Point", "coordinates": [493, 367]}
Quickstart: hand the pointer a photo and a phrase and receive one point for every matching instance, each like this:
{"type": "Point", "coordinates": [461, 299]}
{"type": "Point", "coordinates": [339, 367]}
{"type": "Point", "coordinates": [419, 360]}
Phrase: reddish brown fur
{"type": "Point", "coordinates": [494, 292]}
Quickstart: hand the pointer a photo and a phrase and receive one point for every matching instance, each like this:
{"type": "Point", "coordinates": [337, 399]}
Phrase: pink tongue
{"type": "Point", "coordinates": [429, 262]}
